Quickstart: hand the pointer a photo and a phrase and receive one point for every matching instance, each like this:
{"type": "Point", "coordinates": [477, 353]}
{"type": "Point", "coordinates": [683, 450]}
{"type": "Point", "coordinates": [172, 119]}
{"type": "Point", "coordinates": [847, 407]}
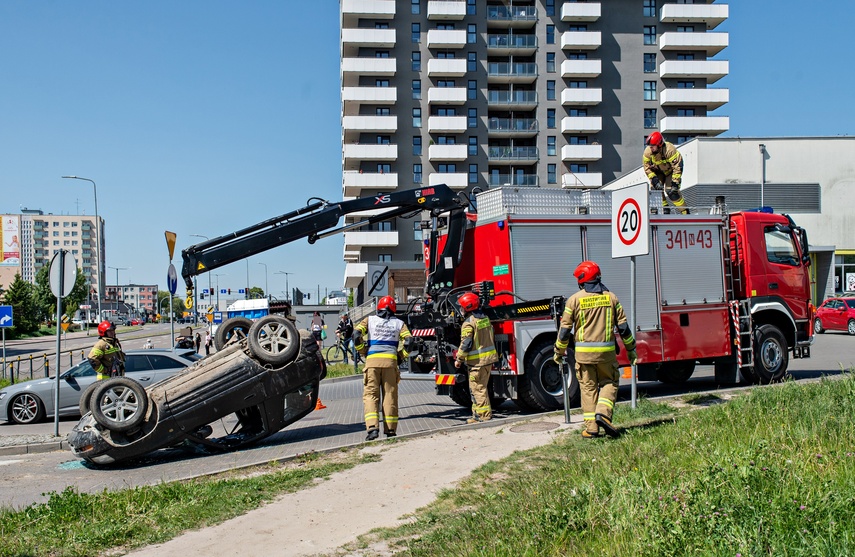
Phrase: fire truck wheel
{"type": "Point", "coordinates": [231, 330]}
{"type": "Point", "coordinates": [542, 386]}
{"type": "Point", "coordinates": [460, 395]}
{"type": "Point", "coordinates": [770, 354]}
{"type": "Point", "coordinates": [675, 372]}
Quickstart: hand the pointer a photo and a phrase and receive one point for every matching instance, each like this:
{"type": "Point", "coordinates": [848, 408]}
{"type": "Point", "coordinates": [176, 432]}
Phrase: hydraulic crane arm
{"type": "Point", "coordinates": [314, 221]}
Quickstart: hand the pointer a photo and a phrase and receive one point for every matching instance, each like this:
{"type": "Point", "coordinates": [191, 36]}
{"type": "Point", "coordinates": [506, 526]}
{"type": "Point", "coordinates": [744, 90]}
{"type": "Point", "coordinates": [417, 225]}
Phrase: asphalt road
{"type": "Point", "coordinates": [24, 479]}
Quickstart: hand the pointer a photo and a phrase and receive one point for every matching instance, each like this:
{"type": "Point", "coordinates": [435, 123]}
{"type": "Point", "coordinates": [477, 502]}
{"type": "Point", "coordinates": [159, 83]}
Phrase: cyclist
{"type": "Point", "coordinates": [344, 333]}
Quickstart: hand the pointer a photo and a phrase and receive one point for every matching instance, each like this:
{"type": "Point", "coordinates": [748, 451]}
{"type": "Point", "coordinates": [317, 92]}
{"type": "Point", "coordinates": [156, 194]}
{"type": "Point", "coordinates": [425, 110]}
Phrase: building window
{"type": "Point", "coordinates": [649, 34]}
{"type": "Point", "coordinates": [473, 146]}
{"type": "Point", "coordinates": [445, 54]}
{"type": "Point", "coordinates": [446, 111]}
{"type": "Point", "coordinates": [550, 7]}
{"type": "Point", "coordinates": [471, 33]}
{"type": "Point", "coordinates": [578, 140]}
{"type": "Point", "coordinates": [550, 90]}
{"type": "Point", "coordinates": [473, 173]}
{"type": "Point", "coordinates": [649, 8]}
{"type": "Point", "coordinates": [577, 56]}
{"type": "Point", "coordinates": [445, 26]}
{"type": "Point", "coordinates": [381, 83]}
{"type": "Point", "coordinates": [471, 62]}
{"type": "Point", "coordinates": [577, 84]}
{"type": "Point", "coordinates": [470, 9]}
{"type": "Point", "coordinates": [685, 29]}
{"type": "Point", "coordinates": [550, 145]}
{"type": "Point", "coordinates": [381, 25]}
{"type": "Point", "coordinates": [417, 231]}
{"type": "Point", "coordinates": [650, 63]}
{"type": "Point", "coordinates": [650, 118]}
{"type": "Point", "coordinates": [384, 168]}
{"type": "Point", "coordinates": [417, 33]}
{"type": "Point", "coordinates": [650, 90]}
{"type": "Point", "coordinates": [446, 140]}
{"type": "Point", "coordinates": [577, 168]}
{"type": "Point", "coordinates": [577, 112]}
{"type": "Point", "coordinates": [445, 83]}
{"type": "Point", "coordinates": [550, 118]}
{"type": "Point", "coordinates": [382, 111]}
{"type": "Point", "coordinates": [685, 56]}
{"type": "Point", "coordinates": [446, 168]}
{"type": "Point", "coordinates": [550, 34]}
{"type": "Point", "coordinates": [685, 85]}
{"type": "Point", "coordinates": [417, 145]}
{"type": "Point", "coordinates": [384, 257]}
{"type": "Point", "coordinates": [417, 61]}
{"type": "Point", "coordinates": [416, 7]}
{"type": "Point", "coordinates": [417, 174]}
{"type": "Point", "coordinates": [417, 89]}
{"type": "Point", "coordinates": [384, 140]}
{"type": "Point", "coordinates": [684, 138]}
{"type": "Point", "coordinates": [381, 54]}
{"type": "Point", "coordinates": [417, 117]}
{"type": "Point", "coordinates": [472, 90]}
{"type": "Point", "coordinates": [685, 112]}
{"type": "Point", "coordinates": [551, 175]}
{"type": "Point", "coordinates": [550, 62]}
{"type": "Point", "coordinates": [472, 120]}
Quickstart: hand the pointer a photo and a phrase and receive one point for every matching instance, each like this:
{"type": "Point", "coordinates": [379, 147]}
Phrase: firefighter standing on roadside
{"type": "Point", "coordinates": [478, 352]}
{"type": "Point", "coordinates": [591, 315]}
{"type": "Point", "coordinates": [383, 333]}
{"type": "Point", "coordinates": [106, 357]}
{"type": "Point", "coordinates": [663, 166]}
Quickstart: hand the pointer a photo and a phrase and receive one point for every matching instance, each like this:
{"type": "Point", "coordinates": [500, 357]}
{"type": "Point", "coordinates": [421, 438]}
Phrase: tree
{"type": "Point", "coordinates": [45, 302]}
{"type": "Point", "coordinates": [19, 295]}
{"type": "Point", "coordinates": [255, 292]}
{"type": "Point", "coordinates": [162, 306]}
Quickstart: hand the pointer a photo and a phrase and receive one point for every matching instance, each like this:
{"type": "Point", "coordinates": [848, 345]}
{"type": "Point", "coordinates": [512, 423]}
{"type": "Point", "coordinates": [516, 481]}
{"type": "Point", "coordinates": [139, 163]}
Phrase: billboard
{"type": "Point", "coordinates": [10, 241]}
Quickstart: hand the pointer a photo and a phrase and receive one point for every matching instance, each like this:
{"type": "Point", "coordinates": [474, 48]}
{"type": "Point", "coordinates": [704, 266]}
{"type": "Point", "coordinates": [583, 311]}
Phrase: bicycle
{"type": "Point", "coordinates": [336, 353]}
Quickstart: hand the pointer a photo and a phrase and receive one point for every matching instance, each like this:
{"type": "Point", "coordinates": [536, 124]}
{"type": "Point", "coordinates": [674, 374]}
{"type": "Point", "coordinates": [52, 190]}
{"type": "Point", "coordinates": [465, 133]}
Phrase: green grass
{"type": "Point", "coordinates": [342, 370]}
{"type": "Point", "coordinates": [771, 472]}
{"type": "Point", "coordinates": [77, 524]}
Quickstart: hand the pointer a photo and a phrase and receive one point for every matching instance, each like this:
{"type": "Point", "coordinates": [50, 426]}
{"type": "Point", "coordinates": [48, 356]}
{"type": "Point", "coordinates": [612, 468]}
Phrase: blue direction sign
{"type": "Point", "coordinates": [241, 291]}
{"type": "Point", "coordinates": [218, 317]}
{"type": "Point", "coordinates": [6, 319]}
{"type": "Point", "coordinates": [222, 291]}
{"type": "Point", "coordinates": [204, 291]}
{"type": "Point", "coordinates": [172, 279]}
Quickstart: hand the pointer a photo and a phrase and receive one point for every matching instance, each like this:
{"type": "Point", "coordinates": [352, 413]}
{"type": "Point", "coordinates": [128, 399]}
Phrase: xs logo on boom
{"type": "Point", "coordinates": [382, 199]}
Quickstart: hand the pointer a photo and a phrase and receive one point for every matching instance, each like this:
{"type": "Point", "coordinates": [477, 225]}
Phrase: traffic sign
{"type": "Point", "coordinates": [170, 243]}
{"type": "Point", "coordinates": [630, 221]}
{"type": "Point", "coordinates": [172, 279]}
{"type": "Point", "coordinates": [68, 271]}
{"type": "Point", "coordinates": [218, 317]}
{"type": "Point", "coordinates": [241, 291]}
{"type": "Point", "coordinates": [6, 318]}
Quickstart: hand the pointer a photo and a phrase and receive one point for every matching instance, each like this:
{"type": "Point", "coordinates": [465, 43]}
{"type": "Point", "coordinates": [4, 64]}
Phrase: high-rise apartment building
{"type": "Point", "coordinates": [534, 93]}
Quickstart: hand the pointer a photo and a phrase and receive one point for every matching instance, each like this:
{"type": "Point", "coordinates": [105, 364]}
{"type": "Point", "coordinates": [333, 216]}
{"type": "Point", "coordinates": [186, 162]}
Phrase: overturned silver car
{"type": "Point", "coordinates": [267, 374]}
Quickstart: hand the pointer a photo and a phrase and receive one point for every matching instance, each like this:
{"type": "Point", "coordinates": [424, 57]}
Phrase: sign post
{"type": "Point", "coordinates": [6, 320]}
{"type": "Point", "coordinates": [631, 237]}
{"type": "Point", "coordinates": [172, 282]}
{"type": "Point", "coordinates": [63, 272]}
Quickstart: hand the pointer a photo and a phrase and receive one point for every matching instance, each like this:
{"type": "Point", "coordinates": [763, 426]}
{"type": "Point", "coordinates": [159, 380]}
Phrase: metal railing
{"type": "Point", "coordinates": [512, 153]}
{"type": "Point", "coordinates": [513, 180]}
{"type": "Point", "coordinates": [33, 366]}
{"type": "Point", "coordinates": [512, 125]}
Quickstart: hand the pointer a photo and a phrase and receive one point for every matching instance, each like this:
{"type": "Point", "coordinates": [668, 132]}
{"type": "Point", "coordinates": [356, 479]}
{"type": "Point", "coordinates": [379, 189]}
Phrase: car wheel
{"type": "Point", "coordinates": [119, 404]}
{"type": "Point", "coordinates": [232, 330]}
{"type": "Point", "coordinates": [851, 327]}
{"type": "Point", "coordinates": [770, 354]}
{"type": "Point", "coordinates": [817, 326]}
{"type": "Point", "coordinates": [274, 340]}
{"type": "Point", "coordinates": [85, 403]}
{"type": "Point", "coordinates": [26, 408]}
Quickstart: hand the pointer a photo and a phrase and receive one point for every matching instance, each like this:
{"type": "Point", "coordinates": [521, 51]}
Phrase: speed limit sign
{"type": "Point", "coordinates": [630, 221]}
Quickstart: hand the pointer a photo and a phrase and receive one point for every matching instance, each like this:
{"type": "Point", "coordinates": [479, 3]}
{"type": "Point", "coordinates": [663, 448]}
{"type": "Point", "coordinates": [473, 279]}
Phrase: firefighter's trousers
{"type": "Point", "coordinates": [598, 386]}
{"type": "Point", "coordinates": [376, 380]}
{"type": "Point", "coordinates": [479, 376]}
{"type": "Point", "coordinates": [670, 192]}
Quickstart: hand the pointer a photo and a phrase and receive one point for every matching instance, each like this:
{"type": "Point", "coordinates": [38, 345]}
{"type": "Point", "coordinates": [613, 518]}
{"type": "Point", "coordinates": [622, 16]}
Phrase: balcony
{"type": "Point", "coordinates": [512, 100]}
{"type": "Point", "coordinates": [445, 67]}
{"type": "Point", "coordinates": [712, 15]}
{"type": "Point", "coordinates": [388, 124]}
{"type": "Point", "coordinates": [709, 98]}
{"type": "Point", "coordinates": [86, 227]}
{"type": "Point", "coordinates": [708, 125]}
{"type": "Point", "coordinates": [519, 17]}
{"type": "Point", "coordinates": [369, 38]}
{"type": "Point", "coordinates": [38, 226]}
{"type": "Point", "coordinates": [512, 127]}
{"type": "Point", "coordinates": [711, 70]}
{"type": "Point", "coordinates": [374, 238]}
{"type": "Point", "coordinates": [39, 235]}
{"type": "Point", "coordinates": [354, 272]}
{"type": "Point", "coordinates": [447, 95]}
{"type": "Point", "coordinates": [709, 43]}
{"type": "Point", "coordinates": [446, 10]}
{"type": "Point", "coordinates": [369, 66]}
{"type": "Point", "coordinates": [575, 153]}
{"type": "Point", "coordinates": [579, 11]}
{"type": "Point", "coordinates": [353, 153]}
{"type": "Point", "coordinates": [86, 245]}
{"type": "Point", "coordinates": [510, 44]}
{"type": "Point", "coordinates": [368, 9]}
{"type": "Point", "coordinates": [446, 124]}
{"type": "Point", "coordinates": [582, 180]}
{"type": "Point", "coordinates": [581, 40]}
{"type": "Point", "coordinates": [512, 155]}
{"type": "Point", "coordinates": [447, 152]}
{"type": "Point", "coordinates": [370, 95]}
{"type": "Point", "coordinates": [454, 180]}
{"type": "Point", "coordinates": [350, 257]}
{"type": "Point", "coordinates": [446, 38]}
{"type": "Point", "coordinates": [581, 68]}
{"type": "Point", "coordinates": [581, 97]}
{"type": "Point", "coordinates": [581, 124]}
{"type": "Point", "coordinates": [504, 72]}
{"type": "Point", "coordinates": [498, 180]}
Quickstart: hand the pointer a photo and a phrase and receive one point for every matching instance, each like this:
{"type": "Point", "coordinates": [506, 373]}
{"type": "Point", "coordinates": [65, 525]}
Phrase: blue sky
{"type": "Point", "coordinates": [206, 117]}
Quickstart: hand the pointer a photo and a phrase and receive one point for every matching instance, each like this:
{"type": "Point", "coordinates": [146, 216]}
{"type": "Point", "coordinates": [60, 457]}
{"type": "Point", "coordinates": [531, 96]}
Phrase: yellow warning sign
{"type": "Point", "coordinates": [170, 242]}
{"type": "Point", "coordinates": [210, 317]}
{"type": "Point", "coordinates": [200, 267]}
{"type": "Point", "coordinates": [65, 325]}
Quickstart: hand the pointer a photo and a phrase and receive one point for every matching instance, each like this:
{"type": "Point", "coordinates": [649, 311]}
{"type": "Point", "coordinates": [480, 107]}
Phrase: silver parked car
{"type": "Point", "coordinates": [32, 401]}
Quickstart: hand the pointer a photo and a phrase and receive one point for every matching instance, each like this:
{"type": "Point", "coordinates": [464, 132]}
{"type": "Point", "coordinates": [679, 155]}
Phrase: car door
{"type": "Point", "coordinates": [72, 385]}
{"type": "Point", "coordinates": [138, 368]}
{"type": "Point", "coordinates": [165, 366]}
{"type": "Point", "coordinates": [835, 309]}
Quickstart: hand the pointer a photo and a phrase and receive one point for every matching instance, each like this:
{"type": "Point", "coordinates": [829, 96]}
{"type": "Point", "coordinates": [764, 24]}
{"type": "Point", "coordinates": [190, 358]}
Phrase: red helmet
{"type": "Point", "coordinates": [469, 301]}
{"type": "Point", "coordinates": [387, 302]}
{"type": "Point", "coordinates": [105, 326]}
{"type": "Point", "coordinates": [586, 272]}
{"type": "Point", "coordinates": [655, 138]}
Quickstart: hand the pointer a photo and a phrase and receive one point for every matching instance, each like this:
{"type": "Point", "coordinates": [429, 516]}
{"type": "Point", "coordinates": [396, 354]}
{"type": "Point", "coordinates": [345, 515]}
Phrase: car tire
{"type": "Point", "coordinates": [232, 330]}
{"type": "Point", "coordinates": [850, 327]}
{"type": "Point", "coordinates": [26, 408]}
{"type": "Point", "coordinates": [817, 326]}
{"type": "Point", "coordinates": [274, 340]}
{"type": "Point", "coordinates": [85, 403]}
{"type": "Point", "coordinates": [771, 355]}
{"type": "Point", "coordinates": [119, 404]}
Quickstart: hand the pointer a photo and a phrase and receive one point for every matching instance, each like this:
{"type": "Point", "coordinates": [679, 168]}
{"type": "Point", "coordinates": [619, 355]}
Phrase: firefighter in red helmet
{"type": "Point", "coordinates": [590, 316]}
{"type": "Point", "coordinates": [106, 357]}
{"type": "Point", "coordinates": [380, 337]}
{"type": "Point", "coordinates": [663, 166]}
{"type": "Point", "coordinates": [478, 352]}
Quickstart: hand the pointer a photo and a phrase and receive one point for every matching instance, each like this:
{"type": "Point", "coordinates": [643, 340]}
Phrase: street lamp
{"type": "Point", "coordinates": [117, 286]}
{"type": "Point", "coordinates": [218, 275]}
{"type": "Point", "coordinates": [287, 290]}
{"type": "Point", "coordinates": [266, 291]}
{"type": "Point", "coordinates": [100, 290]}
{"type": "Point", "coordinates": [762, 147]}
{"type": "Point", "coordinates": [195, 284]}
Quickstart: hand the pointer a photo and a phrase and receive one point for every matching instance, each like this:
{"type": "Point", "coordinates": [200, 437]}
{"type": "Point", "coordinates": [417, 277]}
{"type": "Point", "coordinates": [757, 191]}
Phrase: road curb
{"type": "Point", "coordinates": [33, 448]}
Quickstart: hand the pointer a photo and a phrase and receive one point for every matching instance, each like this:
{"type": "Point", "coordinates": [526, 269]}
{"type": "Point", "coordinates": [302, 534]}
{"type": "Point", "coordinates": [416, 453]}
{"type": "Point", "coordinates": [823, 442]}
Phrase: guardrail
{"type": "Point", "coordinates": [24, 369]}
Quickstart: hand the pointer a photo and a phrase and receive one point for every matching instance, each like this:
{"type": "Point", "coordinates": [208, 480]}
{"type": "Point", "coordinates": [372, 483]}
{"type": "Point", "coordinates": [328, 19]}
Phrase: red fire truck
{"type": "Point", "coordinates": [729, 290]}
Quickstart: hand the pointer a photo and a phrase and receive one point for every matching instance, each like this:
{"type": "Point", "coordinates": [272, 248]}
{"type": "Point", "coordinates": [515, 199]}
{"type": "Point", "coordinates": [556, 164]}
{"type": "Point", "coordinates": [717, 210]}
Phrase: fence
{"type": "Point", "coordinates": [33, 366]}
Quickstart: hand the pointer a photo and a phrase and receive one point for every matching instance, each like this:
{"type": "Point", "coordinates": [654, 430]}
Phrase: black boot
{"type": "Point", "coordinates": [372, 434]}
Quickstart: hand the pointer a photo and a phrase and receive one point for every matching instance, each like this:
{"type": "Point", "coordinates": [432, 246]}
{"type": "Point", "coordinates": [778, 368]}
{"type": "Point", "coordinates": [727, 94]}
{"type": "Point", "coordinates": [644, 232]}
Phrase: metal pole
{"type": "Point", "coordinates": [4, 351]}
{"type": "Point", "coordinates": [266, 291]}
{"type": "Point", "coordinates": [632, 325]}
{"type": "Point", "coordinates": [565, 373]}
{"type": "Point", "coordinates": [195, 300]}
{"type": "Point", "coordinates": [762, 173]}
{"type": "Point", "coordinates": [61, 262]}
{"type": "Point", "coordinates": [100, 290]}
{"type": "Point", "coordinates": [171, 321]}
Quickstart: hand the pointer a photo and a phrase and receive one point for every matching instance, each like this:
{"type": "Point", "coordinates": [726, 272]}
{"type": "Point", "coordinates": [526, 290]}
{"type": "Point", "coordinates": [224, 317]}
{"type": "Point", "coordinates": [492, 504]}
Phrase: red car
{"type": "Point", "coordinates": [835, 314]}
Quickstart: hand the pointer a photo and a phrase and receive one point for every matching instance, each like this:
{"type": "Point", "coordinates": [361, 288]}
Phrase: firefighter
{"type": "Point", "coordinates": [663, 166]}
{"type": "Point", "coordinates": [590, 316]}
{"type": "Point", "coordinates": [478, 352]}
{"type": "Point", "coordinates": [106, 357]}
{"type": "Point", "coordinates": [379, 336]}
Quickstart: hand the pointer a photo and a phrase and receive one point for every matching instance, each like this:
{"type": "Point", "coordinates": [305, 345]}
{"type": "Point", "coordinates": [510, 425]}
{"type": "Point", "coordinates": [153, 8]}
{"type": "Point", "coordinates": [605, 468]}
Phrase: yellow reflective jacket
{"type": "Point", "coordinates": [593, 318]}
{"type": "Point", "coordinates": [667, 162]}
{"type": "Point", "coordinates": [483, 346]}
{"type": "Point", "coordinates": [106, 353]}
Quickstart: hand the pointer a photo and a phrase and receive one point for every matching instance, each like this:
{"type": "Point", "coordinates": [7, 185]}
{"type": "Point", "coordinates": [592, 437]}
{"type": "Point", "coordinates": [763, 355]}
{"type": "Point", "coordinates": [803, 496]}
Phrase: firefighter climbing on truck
{"type": "Point", "coordinates": [663, 166]}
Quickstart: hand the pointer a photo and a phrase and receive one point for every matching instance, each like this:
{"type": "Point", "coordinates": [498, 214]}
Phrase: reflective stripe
{"type": "Point", "coordinates": [382, 355]}
{"type": "Point", "coordinates": [476, 355]}
{"type": "Point", "coordinates": [606, 402]}
{"type": "Point", "coordinates": [598, 347]}
{"type": "Point", "coordinates": [391, 419]}
{"type": "Point", "coordinates": [589, 416]}
{"type": "Point", "coordinates": [480, 409]}
{"type": "Point", "coordinates": [371, 415]}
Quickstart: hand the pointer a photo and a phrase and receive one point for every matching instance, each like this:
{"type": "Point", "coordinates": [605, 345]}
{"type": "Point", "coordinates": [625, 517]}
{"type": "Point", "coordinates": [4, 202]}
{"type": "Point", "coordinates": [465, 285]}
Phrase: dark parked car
{"type": "Point", "coordinates": [267, 376]}
{"type": "Point", "coordinates": [835, 314]}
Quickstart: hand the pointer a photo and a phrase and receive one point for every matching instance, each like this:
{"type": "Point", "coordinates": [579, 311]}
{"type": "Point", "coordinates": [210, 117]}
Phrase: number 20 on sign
{"type": "Point", "coordinates": [630, 221]}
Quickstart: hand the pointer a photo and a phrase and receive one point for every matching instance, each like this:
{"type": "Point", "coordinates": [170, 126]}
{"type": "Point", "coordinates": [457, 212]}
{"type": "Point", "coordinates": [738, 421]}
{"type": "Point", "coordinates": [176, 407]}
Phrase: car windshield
{"type": "Point", "coordinates": [82, 369]}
